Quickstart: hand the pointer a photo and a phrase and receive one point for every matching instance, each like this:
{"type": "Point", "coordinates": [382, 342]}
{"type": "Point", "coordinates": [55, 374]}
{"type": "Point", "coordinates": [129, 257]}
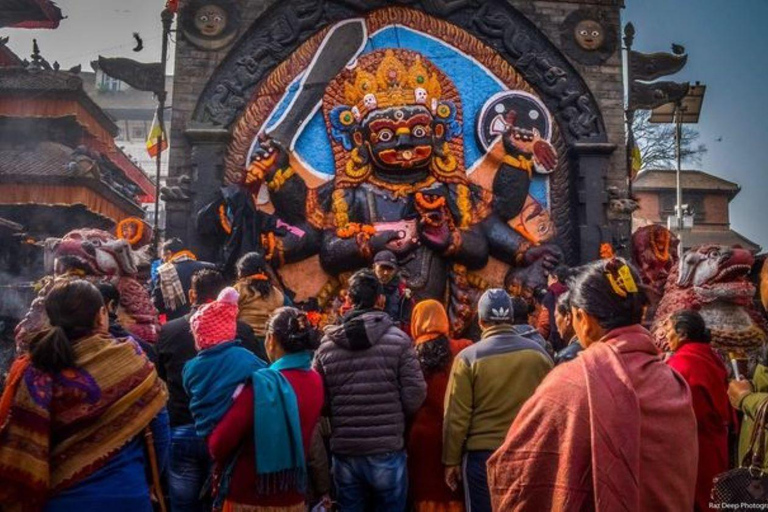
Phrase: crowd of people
{"type": "Point", "coordinates": [244, 405]}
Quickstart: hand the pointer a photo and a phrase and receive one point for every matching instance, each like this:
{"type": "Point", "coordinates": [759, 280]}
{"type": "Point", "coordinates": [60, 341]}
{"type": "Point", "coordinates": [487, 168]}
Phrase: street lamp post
{"type": "Point", "coordinates": [166, 16]}
{"type": "Point", "coordinates": [687, 111]}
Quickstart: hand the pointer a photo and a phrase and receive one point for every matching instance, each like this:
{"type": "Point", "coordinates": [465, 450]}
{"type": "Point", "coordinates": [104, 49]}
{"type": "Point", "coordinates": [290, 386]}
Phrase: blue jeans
{"type": "Point", "coordinates": [380, 480]}
{"type": "Point", "coordinates": [189, 468]}
{"type": "Point", "coordinates": [477, 497]}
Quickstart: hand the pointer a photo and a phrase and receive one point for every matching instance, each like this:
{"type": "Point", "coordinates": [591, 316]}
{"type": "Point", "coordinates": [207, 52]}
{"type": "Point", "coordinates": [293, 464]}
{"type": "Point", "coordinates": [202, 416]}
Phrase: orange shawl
{"type": "Point", "coordinates": [428, 321]}
{"type": "Point", "coordinates": [611, 431]}
{"type": "Point", "coordinates": [56, 430]}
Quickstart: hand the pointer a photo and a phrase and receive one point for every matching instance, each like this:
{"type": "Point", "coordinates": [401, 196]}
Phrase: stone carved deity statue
{"type": "Point", "coordinates": [394, 122]}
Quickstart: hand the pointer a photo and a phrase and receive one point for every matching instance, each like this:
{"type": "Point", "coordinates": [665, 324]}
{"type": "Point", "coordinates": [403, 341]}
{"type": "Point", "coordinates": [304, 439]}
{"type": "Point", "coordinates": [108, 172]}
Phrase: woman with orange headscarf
{"type": "Point", "coordinates": [435, 350]}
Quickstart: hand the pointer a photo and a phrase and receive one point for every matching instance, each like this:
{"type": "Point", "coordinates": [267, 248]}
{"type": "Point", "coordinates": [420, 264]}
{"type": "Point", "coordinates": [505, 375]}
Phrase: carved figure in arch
{"type": "Point", "coordinates": [394, 121]}
{"type": "Point", "coordinates": [654, 252]}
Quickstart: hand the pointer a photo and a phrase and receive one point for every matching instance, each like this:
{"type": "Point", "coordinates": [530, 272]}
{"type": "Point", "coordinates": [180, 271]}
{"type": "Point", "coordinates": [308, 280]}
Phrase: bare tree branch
{"type": "Point", "coordinates": [657, 143]}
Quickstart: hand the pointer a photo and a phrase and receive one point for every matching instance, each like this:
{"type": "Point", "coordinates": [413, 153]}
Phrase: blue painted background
{"type": "Point", "coordinates": [473, 81]}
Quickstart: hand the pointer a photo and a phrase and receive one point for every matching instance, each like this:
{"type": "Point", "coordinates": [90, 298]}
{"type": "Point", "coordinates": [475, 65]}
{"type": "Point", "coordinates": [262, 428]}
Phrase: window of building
{"type": "Point", "coordinates": [138, 131]}
{"type": "Point", "coordinates": [121, 130]}
{"type": "Point", "coordinates": [107, 83]}
{"type": "Point", "coordinates": [695, 202]}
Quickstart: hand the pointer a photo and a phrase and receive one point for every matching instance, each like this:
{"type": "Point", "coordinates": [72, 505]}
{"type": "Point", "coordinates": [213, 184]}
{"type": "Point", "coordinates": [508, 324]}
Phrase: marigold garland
{"type": "Point", "coordinates": [269, 243]}
{"type": "Point", "coordinates": [340, 208]}
{"type": "Point", "coordinates": [464, 203]}
{"type": "Point", "coordinates": [402, 189]}
{"type": "Point", "coordinates": [136, 238]}
{"type": "Point", "coordinates": [429, 204]}
{"type": "Point", "coordinates": [224, 220]}
{"type": "Point", "coordinates": [353, 229]}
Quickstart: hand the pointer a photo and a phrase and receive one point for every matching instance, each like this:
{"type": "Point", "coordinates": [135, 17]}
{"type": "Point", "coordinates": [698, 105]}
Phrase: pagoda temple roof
{"type": "Point", "coordinates": [30, 14]}
{"type": "Point", "coordinates": [52, 173]}
{"type": "Point", "coordinates": [38, 89]}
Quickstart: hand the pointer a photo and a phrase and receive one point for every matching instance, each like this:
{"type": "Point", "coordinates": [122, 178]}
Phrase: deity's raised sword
{"type": "Point", "coordinates": [340, 46]}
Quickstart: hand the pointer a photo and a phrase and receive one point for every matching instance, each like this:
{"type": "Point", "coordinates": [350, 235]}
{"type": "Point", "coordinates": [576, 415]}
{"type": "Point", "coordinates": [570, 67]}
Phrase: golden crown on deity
{"type": "Point", "coordinates": [393, 84]}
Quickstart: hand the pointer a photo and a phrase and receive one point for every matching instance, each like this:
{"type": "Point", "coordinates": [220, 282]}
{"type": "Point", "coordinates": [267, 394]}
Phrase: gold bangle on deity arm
{"type": "Point", "coordinates": [281, 177]}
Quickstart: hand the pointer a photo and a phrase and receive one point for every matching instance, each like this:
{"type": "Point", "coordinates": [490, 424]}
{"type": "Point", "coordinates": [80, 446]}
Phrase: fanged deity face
{"type": "Point", "coordinates": [589, 34]}
{"type": "Point", "coordinates": [660, 243]}
{"type": "Point", "coordinates": [401, 139]}
{"type": "Point", "coordinates": [210, 20]}
{"type": "Point", "coordinates": [129, 231]}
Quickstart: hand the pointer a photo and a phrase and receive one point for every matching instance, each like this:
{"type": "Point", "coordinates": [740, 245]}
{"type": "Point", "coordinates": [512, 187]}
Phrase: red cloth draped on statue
{"type": "Point", "coordinates": [612, 430]}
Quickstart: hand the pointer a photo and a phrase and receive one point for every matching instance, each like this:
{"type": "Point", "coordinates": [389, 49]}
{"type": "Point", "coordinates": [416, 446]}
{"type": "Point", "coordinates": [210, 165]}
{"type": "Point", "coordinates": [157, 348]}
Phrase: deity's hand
{"type": "Point", "coordinates": [268, 157]}
{"type": "Point", "coordinates": [379, 241]}
{"type": "Point", "coordinates": [543, 152]}
{"type": "Point", "coordinates": [434, 232]}
{"type": "Point", "coordinates": [549, 255]}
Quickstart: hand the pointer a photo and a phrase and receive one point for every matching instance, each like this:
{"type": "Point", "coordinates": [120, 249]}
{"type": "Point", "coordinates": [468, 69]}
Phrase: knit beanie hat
{"type": "Point", "coordinates": [495, 305]}
{"type": "Point", "coordinates": [216, 322]}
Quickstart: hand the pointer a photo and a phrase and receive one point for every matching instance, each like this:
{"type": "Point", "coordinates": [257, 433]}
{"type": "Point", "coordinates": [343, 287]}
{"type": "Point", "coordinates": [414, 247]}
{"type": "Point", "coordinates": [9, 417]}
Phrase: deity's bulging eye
{"type": "Point", "coordinates": [384, 135]}
{"type": "Point", "coordinates": [595, 33]}
{"type": "Point", "coordinates": [211, 20]}
{"type": "Point", "coordinates": [419, 131]}
{"type": "Point", "coordinates": [347, 118]}
{"type": "Point", "coordinates": [583, 33]}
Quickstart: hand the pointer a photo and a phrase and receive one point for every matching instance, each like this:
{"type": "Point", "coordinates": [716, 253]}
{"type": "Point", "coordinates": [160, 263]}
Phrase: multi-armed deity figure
{"type": "Point", "coordinates": [395, 122]}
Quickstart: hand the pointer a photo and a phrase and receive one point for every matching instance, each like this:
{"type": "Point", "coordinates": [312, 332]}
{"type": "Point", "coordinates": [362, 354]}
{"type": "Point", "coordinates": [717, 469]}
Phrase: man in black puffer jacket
{"type": "Point", "coordinates": [374, 382]}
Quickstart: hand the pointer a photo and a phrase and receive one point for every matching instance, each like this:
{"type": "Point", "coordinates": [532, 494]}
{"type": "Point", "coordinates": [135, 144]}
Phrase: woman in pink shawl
{"type": "Point", "coordinates": [611, 431]}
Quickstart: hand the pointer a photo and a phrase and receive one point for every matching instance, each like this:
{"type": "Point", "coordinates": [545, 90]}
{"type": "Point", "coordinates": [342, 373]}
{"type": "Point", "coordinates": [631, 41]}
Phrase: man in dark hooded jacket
{"type": "Point", "coordinates": [374, 382]}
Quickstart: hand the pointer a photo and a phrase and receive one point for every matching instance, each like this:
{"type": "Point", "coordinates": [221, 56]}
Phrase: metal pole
{"type": "Point", "coordinates": [678, 142]}
{"type": "Point", "coordinates": [629, 112]}
{"type": "Point", "coordinates": [167, 19]}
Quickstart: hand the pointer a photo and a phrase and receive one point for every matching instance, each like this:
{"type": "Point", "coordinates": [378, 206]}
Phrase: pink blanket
{"type": "Point", "coordinates": [612, 430]}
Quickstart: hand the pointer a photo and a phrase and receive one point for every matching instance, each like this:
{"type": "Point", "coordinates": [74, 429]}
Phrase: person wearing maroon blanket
{"type": "Point", "coordinates": [429, 492]}
{"type": "Point", "coordinates": [611, 430]}
{"type": "Point", "coordinates": [259, 445]}
{"type": "Point", "coordinates": [705, 374]}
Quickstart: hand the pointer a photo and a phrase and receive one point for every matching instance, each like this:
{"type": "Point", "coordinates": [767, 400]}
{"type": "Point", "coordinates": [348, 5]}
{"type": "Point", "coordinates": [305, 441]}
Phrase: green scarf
{"type": "Point", "coordinates": [280, 461]}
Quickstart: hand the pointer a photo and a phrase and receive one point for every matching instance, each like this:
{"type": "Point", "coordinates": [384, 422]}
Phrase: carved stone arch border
{"type": "Point", "coordinates": [286, 26]}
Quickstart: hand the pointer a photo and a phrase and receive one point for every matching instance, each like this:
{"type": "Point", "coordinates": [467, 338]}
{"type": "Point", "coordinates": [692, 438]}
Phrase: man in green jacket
{"type": "Point", "coordinates": [489, 382]}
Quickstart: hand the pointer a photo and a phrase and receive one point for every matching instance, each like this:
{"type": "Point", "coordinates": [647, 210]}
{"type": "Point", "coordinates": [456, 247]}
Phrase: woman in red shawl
{"type": "Point", "coordinates": [612, 430]}
{"type": "Point", "coordinates": [706, 375]}
{"type": "Point", "coordinates": [429, 492]}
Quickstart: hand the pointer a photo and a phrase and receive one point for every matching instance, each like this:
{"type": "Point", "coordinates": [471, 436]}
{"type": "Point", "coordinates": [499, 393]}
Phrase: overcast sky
{"type": "Point", "coordinates": [726, 40]}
